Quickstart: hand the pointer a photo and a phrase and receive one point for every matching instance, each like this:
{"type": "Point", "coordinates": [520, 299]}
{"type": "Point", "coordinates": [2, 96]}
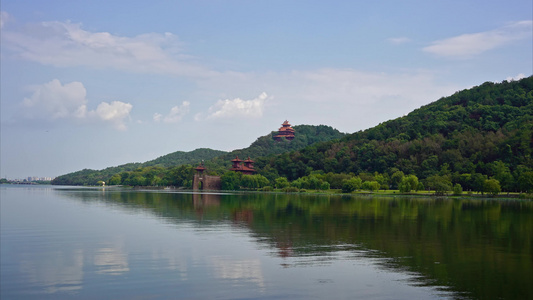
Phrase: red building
{"type": "Point", "coordinates": [244, 166]}
{"type": "Point", "coordinates": [200, 169]}
{"type": "Point", "coordinates": [203, 181]}
{"type": "Point", "coordinates": [286, 131]}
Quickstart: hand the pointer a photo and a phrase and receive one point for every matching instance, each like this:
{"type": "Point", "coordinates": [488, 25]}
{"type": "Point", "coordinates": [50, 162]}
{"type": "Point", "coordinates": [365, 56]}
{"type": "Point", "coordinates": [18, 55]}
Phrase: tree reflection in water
{"type": "Point", "coordinates": [475, 248]}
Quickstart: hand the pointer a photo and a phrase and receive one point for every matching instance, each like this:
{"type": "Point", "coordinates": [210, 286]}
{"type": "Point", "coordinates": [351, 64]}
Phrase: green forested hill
{"type": "Point", "coordinates": [180, 158]}
{"type": "Point", "coordinates": [177, 168]}
{"type": "Point", "coordinates": [475, 134]}
{"type": "Point", "coordinates": [305, 135]}
{"type": "Point", "coordinates": [91, 177]}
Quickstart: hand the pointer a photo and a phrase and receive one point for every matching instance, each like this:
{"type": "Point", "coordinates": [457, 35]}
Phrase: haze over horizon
{"type": "Point", "coordinates": [94, 84]}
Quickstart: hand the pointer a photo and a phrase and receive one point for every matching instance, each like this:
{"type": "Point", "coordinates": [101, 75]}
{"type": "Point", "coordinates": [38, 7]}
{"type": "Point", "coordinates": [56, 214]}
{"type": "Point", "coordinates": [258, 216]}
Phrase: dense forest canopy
{"type": "Point", "coordinates": [476, 134]}
{"type": "Point", "coordinates": [306, 135]}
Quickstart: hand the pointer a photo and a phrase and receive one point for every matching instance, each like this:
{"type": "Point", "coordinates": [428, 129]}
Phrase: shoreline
{"type": "Point", "coordinates": [333, 192]}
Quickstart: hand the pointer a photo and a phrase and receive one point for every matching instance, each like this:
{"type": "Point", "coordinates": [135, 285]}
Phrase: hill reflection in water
{"type": "Point", "coordinates": [473, 248]}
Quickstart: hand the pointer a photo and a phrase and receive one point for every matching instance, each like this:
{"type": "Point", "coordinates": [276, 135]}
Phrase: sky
{"type": "Point", "coordinates": [95, 84]}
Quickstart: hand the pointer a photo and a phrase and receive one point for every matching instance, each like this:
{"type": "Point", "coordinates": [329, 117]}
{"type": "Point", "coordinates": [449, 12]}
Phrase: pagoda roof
{"type": "Point", "coordinates": [249, 160]}
{"type": "Point", "coordinates": [241, 168]}
{"type": "Point", "coordinates": [200, 167]}
{"type": "Point", "coordinates": [237, 159]}
{"type": "Point", "coordinates": [286, 129]}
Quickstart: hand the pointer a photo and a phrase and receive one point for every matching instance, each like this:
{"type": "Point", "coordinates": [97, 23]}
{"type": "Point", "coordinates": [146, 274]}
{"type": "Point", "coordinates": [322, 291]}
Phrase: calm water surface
{"type": "Point", "coordinates": [94, 243]}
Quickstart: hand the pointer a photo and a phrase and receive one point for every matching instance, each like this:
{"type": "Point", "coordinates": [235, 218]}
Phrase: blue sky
{"type": "Point", "coordinates": [93, 84]}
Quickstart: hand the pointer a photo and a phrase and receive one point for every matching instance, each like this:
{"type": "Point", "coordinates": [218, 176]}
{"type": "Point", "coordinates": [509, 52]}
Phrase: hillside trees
{"type": "Point", "coordinates": [482, 133]}
{"type": "Point", "coordinates": [491, 186]}
{"type": "Point", "coordinates": [178, 158]}
{"type": "Point", "coordinates": [351, 184]}
{"type": "Point", "coordinates": [306, 135]}
{"type": "Point", "coordinates": [236, 181]}
{"type": "Point", "coordinates": [217, 162]}
{"type": "Point", "coordinates": [440, 184]}
{"type": "Point", "coordinates": [408, 183]}
{"type": "Point", "coordinates": [179, 176]}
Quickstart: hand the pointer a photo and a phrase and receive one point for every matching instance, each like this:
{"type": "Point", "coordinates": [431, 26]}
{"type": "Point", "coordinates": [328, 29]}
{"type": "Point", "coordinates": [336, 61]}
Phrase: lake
{"type": "Point", "coordinates": [113, 243]}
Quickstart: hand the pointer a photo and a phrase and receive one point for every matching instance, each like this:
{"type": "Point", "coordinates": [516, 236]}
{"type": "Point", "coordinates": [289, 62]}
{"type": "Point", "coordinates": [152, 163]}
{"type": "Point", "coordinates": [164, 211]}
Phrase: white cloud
{"type": "Point", "coordinates": [517, 77]}
{"type": "Point", "coordinates": [53, 101]}
{"type": "Point", "coordinates": [352, 100]}
{"type": "Point", "coordinates": [115, 113]}
{"type": "Point", "coordinates": [4, 18]}
{"type": "Point", "coordinates": [157, 117]}
{"type": "Point", "coordinates": [175, 115]}
{"type": "Point", "coordinates": [63, 44]}
{"type": "Point", "coordinates": [238, 108]}
{"type": "Point", "coordinates": [399, 40]}
{"type": "Point", "coordinates": [467, 45]}
{"type": "Point", "coordinates": [346, 99]}
{"type": "Point", "coordinates": [345, 92]}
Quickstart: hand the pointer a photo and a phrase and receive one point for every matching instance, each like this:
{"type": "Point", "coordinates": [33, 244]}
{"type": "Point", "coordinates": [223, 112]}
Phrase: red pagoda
{"type": "Point", "coordinates": [286, 131]}
{"type": "Point", "coordinates": [247, 168]}
{"type": "Point", "coordinates": [200, 169]}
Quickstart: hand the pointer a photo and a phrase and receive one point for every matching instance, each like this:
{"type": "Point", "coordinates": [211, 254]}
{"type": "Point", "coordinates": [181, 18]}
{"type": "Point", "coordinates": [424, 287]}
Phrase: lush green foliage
{"type": "Point", "coordinates": [408, 183]}
{"type": "Point", "coordinates": [457, 190]}
{"type": "Point", "coordinates": [305, 135]}
{"type": "Point", "coordinates": [165, 169]}
{"type": "Point", "coordinates": [181, 158]}
{"type": "Point", "coordinates": [116, 175]}
{"type": "Point", "coordinates": [236, 181]}
{"type": "Point", "coordinates": [266, 146]}
{"type": "Point", "coordinates": [351, 184]}
{"type": "Point", "coordinates": [472, 136]}
{"type": "Point", "coordinates": [491, 186]}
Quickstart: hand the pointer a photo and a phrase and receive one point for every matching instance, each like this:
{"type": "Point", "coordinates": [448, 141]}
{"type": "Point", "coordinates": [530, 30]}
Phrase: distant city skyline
{"type": "Point", "coordinates": [95, 84]}
{"type": "Point", "coordinates": [30, 178]}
